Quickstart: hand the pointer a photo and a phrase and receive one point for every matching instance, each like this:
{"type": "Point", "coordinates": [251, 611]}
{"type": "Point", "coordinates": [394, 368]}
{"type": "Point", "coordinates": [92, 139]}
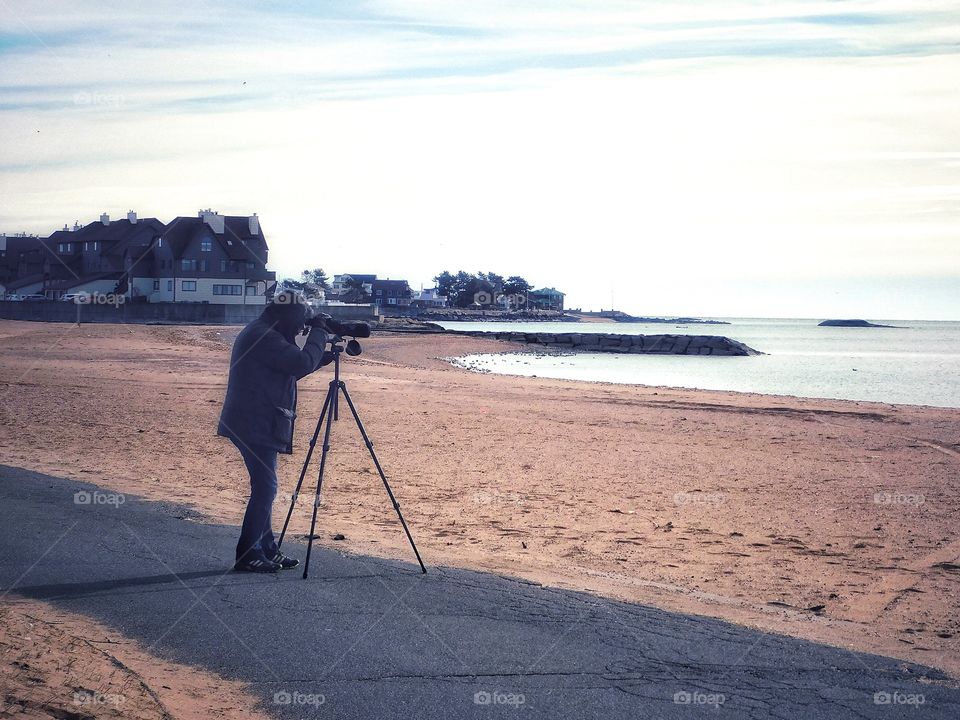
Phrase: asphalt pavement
{"type": "Point", "coordinates": [372, 638]}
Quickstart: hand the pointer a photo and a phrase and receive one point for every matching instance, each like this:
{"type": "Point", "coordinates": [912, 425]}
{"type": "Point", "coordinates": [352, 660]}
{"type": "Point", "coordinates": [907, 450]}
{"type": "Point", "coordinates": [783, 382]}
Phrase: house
{"type": "Point", "coordinates": [428, 298]}
{"type": "Point", "coordinates": [96, 258]}
{"type": "Point", "coordinates": [211, 258]}
{"type": "Point", "coordinates": [391, 294]}
{"type": "Point", "coordinates": [21, 264]}
{"type": "Point", "coordinates": [352, 288]}
{"type": "Point", "coordinates": [545, 299]}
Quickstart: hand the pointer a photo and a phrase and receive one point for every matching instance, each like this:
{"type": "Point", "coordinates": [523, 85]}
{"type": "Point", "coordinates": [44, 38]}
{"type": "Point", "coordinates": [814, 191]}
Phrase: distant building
{"type": "Point", "coordinates": [428, 298]}
{"type": "Point", "coordinates": [351, 289]}
{"type": "Point", "coordinates": [210, 258]}
{"type": "Point", "coordinates": [545, 299]}
{"type": "Point", "coordinates": [361, 289]}
{"type": "Point", "coordinates": [389, 294]}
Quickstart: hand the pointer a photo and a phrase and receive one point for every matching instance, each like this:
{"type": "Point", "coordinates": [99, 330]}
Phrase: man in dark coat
{"type": "Point", "coordinates": [259, 413]}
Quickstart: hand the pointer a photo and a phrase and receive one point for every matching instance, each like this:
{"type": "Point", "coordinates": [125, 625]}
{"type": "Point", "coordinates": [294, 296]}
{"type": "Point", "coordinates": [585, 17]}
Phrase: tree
{"type": "Point", "coordinates": [312, 283]}
{"type": "Point", "coordinates": [356, 292]}
{"type": "Point", "coordinates": [291, 284]}
{"type": "Point", "coordinates": [316, 277]}
{"type": "Point", "coordinates": [445, 282]}
{"type": "Point", "coordinates": [516, 285]}
{"type": "Point", "coordinates": [496, 280]}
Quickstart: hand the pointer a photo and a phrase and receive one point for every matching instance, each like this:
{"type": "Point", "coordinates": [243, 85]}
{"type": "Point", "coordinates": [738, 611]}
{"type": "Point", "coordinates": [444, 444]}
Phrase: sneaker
{"type": "Point", "coordinates": [283, 561]}
{"type": "Point", "coordinates": [256, 563]}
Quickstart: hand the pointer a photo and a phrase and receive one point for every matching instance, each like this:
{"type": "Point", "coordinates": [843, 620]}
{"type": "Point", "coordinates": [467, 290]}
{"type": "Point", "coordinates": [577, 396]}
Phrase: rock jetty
{"type": "Point", "coordinates": [634, 344]}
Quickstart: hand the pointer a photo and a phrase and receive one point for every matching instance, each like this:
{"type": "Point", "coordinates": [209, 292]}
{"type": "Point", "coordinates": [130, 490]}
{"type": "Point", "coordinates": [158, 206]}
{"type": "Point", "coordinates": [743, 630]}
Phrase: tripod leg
{"type": "Point", "coordinates": [376, 461]}
{"type": "Point", "coordinates": [331, 400]}
{"type": "Point", "coordinates": [303, 471]}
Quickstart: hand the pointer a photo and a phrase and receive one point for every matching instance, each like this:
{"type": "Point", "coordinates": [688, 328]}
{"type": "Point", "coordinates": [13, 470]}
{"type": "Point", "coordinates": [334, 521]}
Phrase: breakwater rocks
{"type": "Point", "coordinates": [468, 315]}
{"type": "Point", "coordinates": [635, 344]}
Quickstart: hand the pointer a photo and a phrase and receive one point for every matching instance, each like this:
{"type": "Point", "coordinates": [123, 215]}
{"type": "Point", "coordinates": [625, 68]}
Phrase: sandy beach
{"type": "Point", "coordinates": [833, 521]}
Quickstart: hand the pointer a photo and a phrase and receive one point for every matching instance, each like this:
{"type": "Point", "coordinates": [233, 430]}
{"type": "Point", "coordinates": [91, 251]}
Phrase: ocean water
{"type": "Point", "coordinates": [917, 363]}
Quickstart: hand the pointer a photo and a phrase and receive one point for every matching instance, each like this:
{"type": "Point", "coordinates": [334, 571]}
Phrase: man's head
{"type": "Point", "coordinates": [288, 312]}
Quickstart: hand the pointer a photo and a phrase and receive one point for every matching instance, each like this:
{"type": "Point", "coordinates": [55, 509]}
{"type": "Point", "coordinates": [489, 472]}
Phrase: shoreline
{"type": "Point", "coordinates": [747, 507]}
{"type": "Point", "coordinates": [673, 388]}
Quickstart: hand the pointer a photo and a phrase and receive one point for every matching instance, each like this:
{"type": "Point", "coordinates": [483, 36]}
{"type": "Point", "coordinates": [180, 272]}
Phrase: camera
{"type": "Point", "coordinates": [343, 329]}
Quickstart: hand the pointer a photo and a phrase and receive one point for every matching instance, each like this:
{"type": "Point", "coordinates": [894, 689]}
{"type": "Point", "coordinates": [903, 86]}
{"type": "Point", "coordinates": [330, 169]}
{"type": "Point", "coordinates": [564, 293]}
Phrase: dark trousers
{"type": "Point", "coordinates": [256, 535]}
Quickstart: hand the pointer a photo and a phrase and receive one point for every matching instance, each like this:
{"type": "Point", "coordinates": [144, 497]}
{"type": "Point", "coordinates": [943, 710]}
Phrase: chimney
{"type": "Point", "coordinates": [254, 223]}
{"type": "Point", "coordinates": [65, 228]}
{"type": "Point", "coordinates": [76, 225]}
{"type": "Point", "coordinates": [105, 219]}
{"type": "Point", "coordinates": [132, 217]}
{"type": "Point", "coordinates": [213, 219]}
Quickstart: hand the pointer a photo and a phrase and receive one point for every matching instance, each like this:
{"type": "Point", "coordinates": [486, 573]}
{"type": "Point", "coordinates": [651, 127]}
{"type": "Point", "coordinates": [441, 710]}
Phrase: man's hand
{"type": "Point", "coordinates": [319, 320]}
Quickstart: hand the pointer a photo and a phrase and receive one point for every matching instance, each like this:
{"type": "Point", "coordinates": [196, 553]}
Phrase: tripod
{"type": "Point", "coordinates": [331, 412]}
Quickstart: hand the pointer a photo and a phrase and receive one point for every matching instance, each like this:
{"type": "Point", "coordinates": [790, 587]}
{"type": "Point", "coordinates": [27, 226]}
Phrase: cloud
{"type": "Point", "coordinates": [555, 139]}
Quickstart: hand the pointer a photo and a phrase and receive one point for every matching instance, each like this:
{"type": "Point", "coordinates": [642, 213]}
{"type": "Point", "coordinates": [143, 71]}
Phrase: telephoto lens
{"type": "Point", "coordinates": [348, 329]}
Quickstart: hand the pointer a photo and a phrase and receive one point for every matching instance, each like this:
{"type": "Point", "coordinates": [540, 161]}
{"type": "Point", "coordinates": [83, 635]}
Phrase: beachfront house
{"type": "Point", "coordinates": [545, 299]}
{"type": "Point", "coordinates": [391, 294]}
{"type": "Point", "coordinates": [210, 258]}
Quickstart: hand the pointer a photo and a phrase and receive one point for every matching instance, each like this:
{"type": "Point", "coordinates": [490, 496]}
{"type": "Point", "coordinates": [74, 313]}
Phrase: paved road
{"type": "Point", "coordinates": [376, 639]}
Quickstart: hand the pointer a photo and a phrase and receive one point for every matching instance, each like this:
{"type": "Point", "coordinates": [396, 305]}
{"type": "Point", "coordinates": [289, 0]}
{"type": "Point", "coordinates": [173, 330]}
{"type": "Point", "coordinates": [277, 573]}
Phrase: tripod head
{"type": "Point", "coordinates": [352, 346]}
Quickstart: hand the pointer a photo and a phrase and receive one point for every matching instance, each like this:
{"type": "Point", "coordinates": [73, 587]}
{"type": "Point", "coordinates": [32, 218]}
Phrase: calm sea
{"type": "Point", "coordinates": [918, 363]}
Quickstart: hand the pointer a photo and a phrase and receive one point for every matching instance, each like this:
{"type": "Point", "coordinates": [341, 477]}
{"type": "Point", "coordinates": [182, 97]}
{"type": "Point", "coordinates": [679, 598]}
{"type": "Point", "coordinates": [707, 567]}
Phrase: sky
{"type": "Point", "coordinates": [722, 158]}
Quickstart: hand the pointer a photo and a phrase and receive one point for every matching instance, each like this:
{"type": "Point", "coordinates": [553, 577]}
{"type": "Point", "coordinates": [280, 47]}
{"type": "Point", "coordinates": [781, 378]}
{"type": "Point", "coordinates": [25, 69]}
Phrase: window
{"type": "Point", "coordinates": [204, 266]}
{"type": "Point", "coordinates": [188, 264]}
{"type": "Point", "coordinates": [206, 246]}
{"type": "Point", "coordinates": [223, 266]}
{"type": "Point", "coordinates": [251, 265]}
{"type": "Point", "coordinates": [95, 245]}
{"type": "Point", "coordinates": [188, 285]}
{"type": "Point", "coordinates": [159, 242]}
{"type": "Point", "coordinates": [169, 285]}
{"type": "Point", "coordinates": [156, 284]}
{"type": "Point", "coordinates": [85, 246]}
{"type": "Point", "coordinates": [251, 290]}
{"type": "Point", "coordinates": [227, 289]}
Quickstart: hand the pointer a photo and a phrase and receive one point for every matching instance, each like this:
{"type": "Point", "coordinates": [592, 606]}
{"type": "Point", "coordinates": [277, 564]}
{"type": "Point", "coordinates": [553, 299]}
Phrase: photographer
{"type": "Point", "coordinates": [259, 412]}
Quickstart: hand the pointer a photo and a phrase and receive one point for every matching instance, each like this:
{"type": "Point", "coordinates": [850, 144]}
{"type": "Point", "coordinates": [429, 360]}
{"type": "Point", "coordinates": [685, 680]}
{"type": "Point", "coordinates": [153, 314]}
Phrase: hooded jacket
{"type": "Point", "coordinates": [261, 401]}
